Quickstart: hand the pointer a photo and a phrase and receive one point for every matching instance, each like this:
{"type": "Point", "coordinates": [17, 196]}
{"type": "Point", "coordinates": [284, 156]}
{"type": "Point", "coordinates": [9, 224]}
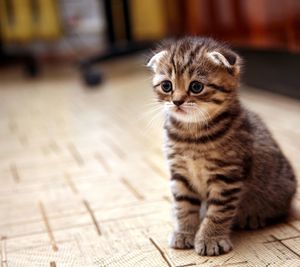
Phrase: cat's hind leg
{"type": "Point", "coordinates": [256, 211]}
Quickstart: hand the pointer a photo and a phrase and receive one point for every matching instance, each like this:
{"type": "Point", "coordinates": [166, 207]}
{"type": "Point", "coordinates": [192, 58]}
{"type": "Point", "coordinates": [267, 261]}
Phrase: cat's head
{"type": "Point", "coordinates": [195, 78]}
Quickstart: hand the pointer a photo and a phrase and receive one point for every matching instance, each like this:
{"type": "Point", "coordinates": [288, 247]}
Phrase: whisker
{"type": "Point", "coordinates": [149, 113]}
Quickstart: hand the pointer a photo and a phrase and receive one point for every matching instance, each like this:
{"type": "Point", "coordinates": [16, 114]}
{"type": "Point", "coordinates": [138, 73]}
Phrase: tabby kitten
{"type": "Point", "coordinates": [218, 151]}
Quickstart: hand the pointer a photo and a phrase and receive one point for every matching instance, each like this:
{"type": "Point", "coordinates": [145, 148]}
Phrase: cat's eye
{"type": "Point", "coordinates": [196, 87]}
{"type": "Point", "coordinates": [166, 86]}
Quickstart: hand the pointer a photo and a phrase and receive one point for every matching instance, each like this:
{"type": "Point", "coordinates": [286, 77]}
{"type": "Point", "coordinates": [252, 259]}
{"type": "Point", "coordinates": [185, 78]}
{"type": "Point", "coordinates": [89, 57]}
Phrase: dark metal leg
{"type": "Point", "coordinates": [90, 74]}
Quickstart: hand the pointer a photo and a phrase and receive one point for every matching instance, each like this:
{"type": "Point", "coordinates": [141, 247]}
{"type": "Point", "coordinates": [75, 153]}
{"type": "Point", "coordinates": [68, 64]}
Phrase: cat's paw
{"type": "Point", "coordinates": [212, 246]}
{"type": "Point", "coordinates": [181, 240]}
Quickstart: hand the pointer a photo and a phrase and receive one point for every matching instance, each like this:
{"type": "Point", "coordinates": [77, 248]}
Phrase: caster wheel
{"type": "Point", "coordinates": [92, 77]}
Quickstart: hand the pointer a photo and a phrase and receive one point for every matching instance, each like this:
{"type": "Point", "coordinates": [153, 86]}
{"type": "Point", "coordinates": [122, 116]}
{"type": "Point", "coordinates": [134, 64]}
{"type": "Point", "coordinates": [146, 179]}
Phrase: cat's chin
{"type": "Point", "coordinates": [185, 116]}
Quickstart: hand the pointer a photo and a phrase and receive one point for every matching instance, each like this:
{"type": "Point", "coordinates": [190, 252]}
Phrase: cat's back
{"type": "Point", "coordinates": [268, 160]}
{"type": "Point", "coordinates": [262, 138]}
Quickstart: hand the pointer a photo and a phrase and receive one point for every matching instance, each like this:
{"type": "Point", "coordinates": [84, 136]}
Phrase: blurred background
{"type": "Point", "coordinates": [84, 33]}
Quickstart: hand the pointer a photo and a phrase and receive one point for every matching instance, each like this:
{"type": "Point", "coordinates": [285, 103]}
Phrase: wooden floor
{"type": "Point", "coordinates": [83, 181]}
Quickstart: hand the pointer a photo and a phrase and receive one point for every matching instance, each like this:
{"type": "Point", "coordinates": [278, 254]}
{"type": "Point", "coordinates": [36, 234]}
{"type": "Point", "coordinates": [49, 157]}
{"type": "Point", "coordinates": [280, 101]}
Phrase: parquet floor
{"type": "Point", "coordinates": [83, 181]}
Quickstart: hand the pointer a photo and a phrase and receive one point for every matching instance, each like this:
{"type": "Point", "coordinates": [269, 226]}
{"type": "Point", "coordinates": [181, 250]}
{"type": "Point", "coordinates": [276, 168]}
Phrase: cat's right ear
{"type": "Point", "coordinates": [154, 61]}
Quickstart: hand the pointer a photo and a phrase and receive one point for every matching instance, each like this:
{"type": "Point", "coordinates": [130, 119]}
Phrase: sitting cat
{"type": "Point", "coordinates": [218, 151]}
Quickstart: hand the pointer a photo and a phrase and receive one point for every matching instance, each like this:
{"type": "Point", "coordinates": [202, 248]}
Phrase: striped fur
{"type": "Point", "coordinates": [218, 151]}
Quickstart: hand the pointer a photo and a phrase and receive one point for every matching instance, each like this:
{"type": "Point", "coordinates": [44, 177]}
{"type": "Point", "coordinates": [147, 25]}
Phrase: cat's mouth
{"type": "Point", "coordinates": [180, 110]}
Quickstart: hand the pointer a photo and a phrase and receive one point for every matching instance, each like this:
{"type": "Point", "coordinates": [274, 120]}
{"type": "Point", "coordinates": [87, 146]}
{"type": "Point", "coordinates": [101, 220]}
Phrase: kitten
{"type": "Point", "coordinates": [218, 151]}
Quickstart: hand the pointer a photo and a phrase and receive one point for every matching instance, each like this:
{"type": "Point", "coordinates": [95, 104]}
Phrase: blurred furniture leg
{"type": "Point", "coordinates": [90, 75]}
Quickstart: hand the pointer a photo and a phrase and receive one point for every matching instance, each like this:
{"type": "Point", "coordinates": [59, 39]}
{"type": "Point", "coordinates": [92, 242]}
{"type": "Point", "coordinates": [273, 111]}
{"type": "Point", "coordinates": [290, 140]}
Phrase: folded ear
{"type": "Point", "coordinates": [154, 61]}
{"type": "Point", "coordinates": [226, 58]}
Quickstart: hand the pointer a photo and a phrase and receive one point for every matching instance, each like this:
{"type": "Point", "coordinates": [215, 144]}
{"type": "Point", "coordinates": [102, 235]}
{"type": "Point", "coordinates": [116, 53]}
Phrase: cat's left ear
{"type": "Point", "coordinates": [227, 59]}
{"type": "Point", "coordinates": [154, 61]}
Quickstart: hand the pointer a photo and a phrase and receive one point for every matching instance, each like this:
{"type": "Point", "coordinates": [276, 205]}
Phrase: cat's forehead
{"type": "Point", "coordinates": [188, 56]}
{"type": "Point", "coordinates": [191, 48]}
{"type": "Point", "coordinates": [185, 59]}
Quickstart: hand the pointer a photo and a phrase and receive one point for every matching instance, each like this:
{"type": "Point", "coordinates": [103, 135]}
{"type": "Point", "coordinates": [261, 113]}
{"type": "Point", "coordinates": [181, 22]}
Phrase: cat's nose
{"type": "Point", "coordinates": [178, 102]}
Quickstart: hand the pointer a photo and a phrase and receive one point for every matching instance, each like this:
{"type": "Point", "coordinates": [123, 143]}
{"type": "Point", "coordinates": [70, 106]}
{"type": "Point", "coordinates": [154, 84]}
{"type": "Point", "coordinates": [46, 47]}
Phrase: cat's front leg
{"type": "Point", "coordinates": [213, 237]}
{"type": "Point", "coordinates": [186, 210]}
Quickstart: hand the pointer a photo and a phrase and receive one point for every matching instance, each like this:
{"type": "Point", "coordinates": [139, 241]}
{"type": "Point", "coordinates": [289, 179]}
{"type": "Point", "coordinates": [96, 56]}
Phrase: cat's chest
{"type": "Point", "coordinates": [192, 164]}
{"type": "Point", "coordinates": [198, 175]}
